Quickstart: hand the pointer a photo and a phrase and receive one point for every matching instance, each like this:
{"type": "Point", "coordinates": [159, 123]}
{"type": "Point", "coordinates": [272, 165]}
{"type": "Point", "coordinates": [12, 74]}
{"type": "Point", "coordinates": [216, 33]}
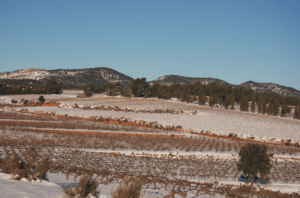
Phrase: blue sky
{"type": "Point", "coordinates": [234, 41]}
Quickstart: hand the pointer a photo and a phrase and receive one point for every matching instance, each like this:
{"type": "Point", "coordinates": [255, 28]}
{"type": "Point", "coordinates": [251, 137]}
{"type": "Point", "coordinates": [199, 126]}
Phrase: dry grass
{"type": "Point", "coordinates": [70, 192]}
{"type": "Point", "coordinates": [129, 189]}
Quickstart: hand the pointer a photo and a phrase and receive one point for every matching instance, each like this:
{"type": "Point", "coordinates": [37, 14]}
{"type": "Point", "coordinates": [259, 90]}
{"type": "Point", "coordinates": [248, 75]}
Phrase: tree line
{"type": "Point", "coordinates": [30, 87]}
{"type": "Point", "coordinates": [212, 93]}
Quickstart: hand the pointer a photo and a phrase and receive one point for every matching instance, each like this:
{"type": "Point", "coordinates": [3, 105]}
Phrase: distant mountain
{"type": "Point", "coordinates": [170, 79]}
{"type": "Point", "coordinates": [257, 87]}
{"type": "Point", "coordinates": [78, 77]}
{"type": "Point", "coordinates": [271, 88]}
{"type": "Point", "coordinates": [101, 76]}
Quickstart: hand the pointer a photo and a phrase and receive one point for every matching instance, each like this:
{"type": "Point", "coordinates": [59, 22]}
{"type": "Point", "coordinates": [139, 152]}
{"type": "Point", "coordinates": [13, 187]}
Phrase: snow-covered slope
{"type": "Point", "coordinates": [22, 189]}
{"type": "Point", "coordinates": [257, 87]}
{"type": "Point", "coordinates": [78, 77]}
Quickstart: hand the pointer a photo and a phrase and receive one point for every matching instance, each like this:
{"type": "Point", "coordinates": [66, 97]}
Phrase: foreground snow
{"type": "Point", "coordinates": [23, 189]}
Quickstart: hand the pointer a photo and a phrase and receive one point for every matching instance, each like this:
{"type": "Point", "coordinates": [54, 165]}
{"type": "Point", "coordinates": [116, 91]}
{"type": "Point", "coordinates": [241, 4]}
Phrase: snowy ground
{"type": "Point", "coordinates": [218, 121]}
{"type": "Point", "coordinates": [210, 119]}
{"type": "Point", "coordinates": [22, 189]}
{"type": "Point", "coordinates": [54, 188]}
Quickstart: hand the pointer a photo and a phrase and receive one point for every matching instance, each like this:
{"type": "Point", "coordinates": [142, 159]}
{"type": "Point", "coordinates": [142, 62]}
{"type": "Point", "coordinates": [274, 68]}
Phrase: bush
{"type": "Point", "coordinates": [26, 165]}
{"type": "Point", "coordinates": [89, 94]}
{"type": "Point", "coordinates": [87, 185]}
{"type": "Point", "coordinates": [42, 99]}
{"type": "Point", "coordinates": [128, 189]}
{"type": "Point", "coordinates": [14, 101]}
{"type": "Point", "coordinates": [70, 192]}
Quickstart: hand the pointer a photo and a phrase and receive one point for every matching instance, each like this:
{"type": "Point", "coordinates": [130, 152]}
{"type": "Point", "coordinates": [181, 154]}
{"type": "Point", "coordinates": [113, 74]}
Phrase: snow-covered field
{"type": "Point", "coordinates": [192, 158]}
{"type": "Point", "coordinates": [22, 189]}
{"type": "Point", "coordinates": [217, 121]}
{"type": "Point", "coordinates": [72, 91]}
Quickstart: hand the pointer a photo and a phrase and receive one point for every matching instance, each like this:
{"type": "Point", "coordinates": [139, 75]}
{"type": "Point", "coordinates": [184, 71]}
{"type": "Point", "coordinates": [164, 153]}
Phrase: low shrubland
{"type": "Point", "coordinates": [26, 165]}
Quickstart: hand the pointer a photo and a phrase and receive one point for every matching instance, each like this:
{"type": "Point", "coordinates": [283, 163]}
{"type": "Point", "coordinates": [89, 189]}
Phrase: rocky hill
{"type": "Point", "coordinates": [101, 76]}
{"type": "Point", "coordinates": [257, 87]}
{"type": "Point", "coordinates": [271, 88]}
{"type": "Point", "coordinates": [170, 79]}
{"type": "Point", "coordinates": [77, 77]}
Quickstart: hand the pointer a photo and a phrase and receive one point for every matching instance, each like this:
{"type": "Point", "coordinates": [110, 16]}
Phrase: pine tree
{"type": "Point", "coordinates": [246, 103]}
{"type": "Point", "coordinates": [275, 108]}
{"type": "Point", "coordinates": [211, 104]}
{"type": "Point", "coordinates": [146, 93]}
{"type": "Point", "coordinates": [226, 103]}
{"type": "Point", "coordinates": [269, 109]}
{"type": "Point", "coordinates": [242, 101]}
{"type": "Point", "coordinates": [264, 105]}
{"type": "Point", "coordinates": [253, 103]}
{"type": "Point", "coordinates": [200, 99]}
{"type": "Point", "coordinates": [232, 101]}
{"type": "Point", "coordinates": [183, 97]}
{"type": "Point", "coordinates": [283, 107]}
{"type": "Point", "coordinates": [254, 159]}
{"type": "Point", "coordinates": [188, 95]}
{"type": "Point", "coordinates": [296, 112]}
{"type": "Point", "coordinates": [259, 103]}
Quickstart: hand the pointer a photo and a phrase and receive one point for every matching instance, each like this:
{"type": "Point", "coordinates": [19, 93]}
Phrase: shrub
{"type": "Point", "coordinates": [288, 144]}
{"type": "Point", "coordinates": [14, 101]}
{"type": "Point", "coordinates": [89, 94]}
{"type": "Point", "coordinates": [42, 99]}
{"type": "Point", "coordinates": [87, 185]}
{"type": "Point", "coordinates": [254, 160]}
{"type": "Point", "coordinates": [70, 192]}
{"type": "Point", "coordinates": [128, 189]}
{"type": "Point", "coordinates": [26, 102]}
{"type": "Point", "coordinates": [232, 135]}
{"type": "Point", "coordinates": [26, 165]}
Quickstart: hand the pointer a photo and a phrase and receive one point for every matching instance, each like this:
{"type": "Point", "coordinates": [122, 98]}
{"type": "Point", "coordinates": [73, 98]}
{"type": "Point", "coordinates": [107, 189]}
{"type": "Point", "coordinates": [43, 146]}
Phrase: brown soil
{"type": "Point", "coordinates": [106, 133]}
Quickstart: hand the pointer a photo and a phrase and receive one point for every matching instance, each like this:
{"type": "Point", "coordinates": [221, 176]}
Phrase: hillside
{"type": "Point", "coordinates": [78, 77]}
{"type": "Point", "coordinates": [101, 76]}
{"type": "Point", "coordinates": [257, 87]}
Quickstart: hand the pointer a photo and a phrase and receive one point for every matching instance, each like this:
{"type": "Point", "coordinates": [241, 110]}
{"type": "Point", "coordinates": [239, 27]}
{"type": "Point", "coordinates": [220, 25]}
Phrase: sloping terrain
{"type": "Point", "coordinates": [78, 77]}
{"type": "Point", "coordinates": [101, 76]}
{"type": "Point", "coordinates": [257, 87]}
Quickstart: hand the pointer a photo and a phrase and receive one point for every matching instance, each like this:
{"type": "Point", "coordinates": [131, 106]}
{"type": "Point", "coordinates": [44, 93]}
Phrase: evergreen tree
{"type": "Point", "coordinates": [146, 93]}
{"type": "Point", "coordinates": [296, 112]}
{"type": "Point", "coordinates": [188, 95]}
{"type": "Point", "coordinates": [254, 160]}
{"type": "Point", "coordinates": [183, 97]}
{"type": "Point", "coordinates": [259, 103]}
{"type": "Point", "coordinates": [211, 104]}
{"type": "Point", "coordinates": [215, 99]}
{"type": "Point", "coordinates": [200, 99]}
{"type": "Point", "coordinates": [253, 103]}
{"type": "Point", "coordinates": [264, 105]}
{"type": "Point", "coordinates": [269, 109]}
{"type": "Point", "coordinates": [232, 101]}
{"type": "Point", "coordinates": [242, 105]}
{"type": "Point", "coordinates": [283, 107]}
{"type": "Point", "coordinates": [42, 99]}
{"type": "Point", "coordinates": [275, 108]}
{"type": "Point", "coordinates": [246, 103]}
{"type": "Point", "coordinates": [138, 86]}
{"type": "Point", "coordinates": [226, 103]}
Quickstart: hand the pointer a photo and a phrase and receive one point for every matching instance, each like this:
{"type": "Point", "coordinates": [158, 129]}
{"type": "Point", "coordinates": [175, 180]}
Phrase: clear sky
{"type": "Point", "coordinates": [235, 41]}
